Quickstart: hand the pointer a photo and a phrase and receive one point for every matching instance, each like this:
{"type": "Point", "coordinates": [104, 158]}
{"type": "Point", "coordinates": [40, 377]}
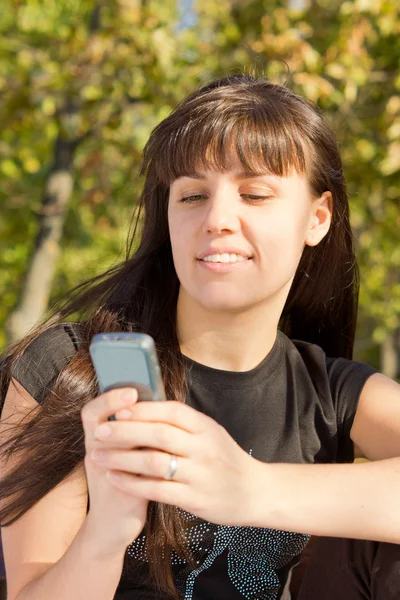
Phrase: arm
{"type": "Point", "coordinates": [220, 482]}
{"type": "Point", "coordinates": [53, 550]}
{"type": "Point", "coordinates": [376, 426]}
{"type": "Point", "coordinates": [351, 500]}
{"type": "Point", "coordinates": [84, 571]}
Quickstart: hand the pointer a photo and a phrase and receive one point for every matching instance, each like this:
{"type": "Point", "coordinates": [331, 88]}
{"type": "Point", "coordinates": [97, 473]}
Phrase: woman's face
{"type": "Point", "coordinates": [237, 240]}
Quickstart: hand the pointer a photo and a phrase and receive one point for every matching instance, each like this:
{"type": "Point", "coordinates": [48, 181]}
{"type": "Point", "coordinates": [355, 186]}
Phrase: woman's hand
{"type": "Point", "coordinates": [215, 478]}
{"type": "Point", "coordinates": [115, 517]}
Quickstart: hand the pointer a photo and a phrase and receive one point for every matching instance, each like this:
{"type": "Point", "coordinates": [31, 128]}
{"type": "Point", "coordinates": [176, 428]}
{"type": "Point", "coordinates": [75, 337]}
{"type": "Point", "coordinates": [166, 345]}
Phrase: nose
{"type": "Point", "coordinates": [222, 213]}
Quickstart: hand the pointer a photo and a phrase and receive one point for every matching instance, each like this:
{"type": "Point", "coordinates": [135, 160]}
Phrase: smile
{"type": "Point", "coordinates": [224, 258]}
{"type": "Point", "coordinates": [223, 266]}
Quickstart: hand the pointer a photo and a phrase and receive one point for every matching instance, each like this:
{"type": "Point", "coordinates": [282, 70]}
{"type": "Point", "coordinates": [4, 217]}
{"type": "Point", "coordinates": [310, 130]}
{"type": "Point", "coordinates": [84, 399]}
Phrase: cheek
{"type": "Point", "coordinates": [173, 226]}
{"type": "Point", "coordinates": [277, 231]}
{"type": "Point", "coordinates": [178, 226]}
{"type": "Point", "coordinates": [282, 240]}
{"type": "Point", "coordinates": [181, 241]}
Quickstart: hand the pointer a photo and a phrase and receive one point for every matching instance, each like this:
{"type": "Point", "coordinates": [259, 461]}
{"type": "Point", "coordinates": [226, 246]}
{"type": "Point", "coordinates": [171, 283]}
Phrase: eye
{"type": "Point", "coordinates": [256, 198]}
{"type": "Point", "coordinates": [194, 199]}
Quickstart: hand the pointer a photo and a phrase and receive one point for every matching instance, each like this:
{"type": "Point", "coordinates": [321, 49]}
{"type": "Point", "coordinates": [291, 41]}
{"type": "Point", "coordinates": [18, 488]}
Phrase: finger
{"type": "Point", "coordinates": [125, 414]}
{"type": "Point", "coordinates": [103, 406]}
{"type": "Point", "coordinates": [172, 412]}
{"type": "Point", "coordinates": [131, 434]}
{"type": "Point", "coordinates": [158, 490]}
{"type": "Point", "coordinates": [150, 463]}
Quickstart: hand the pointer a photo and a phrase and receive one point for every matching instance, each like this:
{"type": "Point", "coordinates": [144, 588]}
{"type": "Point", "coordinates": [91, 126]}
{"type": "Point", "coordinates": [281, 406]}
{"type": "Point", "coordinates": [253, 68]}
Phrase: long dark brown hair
{"type": "Point", "coordinates": [268, 126]}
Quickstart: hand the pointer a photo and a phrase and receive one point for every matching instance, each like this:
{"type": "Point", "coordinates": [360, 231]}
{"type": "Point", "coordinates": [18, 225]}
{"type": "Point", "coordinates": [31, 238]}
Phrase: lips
{"type": "Point", "coordinates": [224, 266]}
{"type": "Point", "coordinates": [225, 258]}
{"type": "Point", "coordinates": [223, 250]}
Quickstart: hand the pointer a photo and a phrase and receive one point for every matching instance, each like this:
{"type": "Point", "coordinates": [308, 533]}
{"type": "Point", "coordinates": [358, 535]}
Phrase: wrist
{"type": "Point", "coordinates": [98, 544]}
{"type": "Point", "coordinates": [257, 494]}
{"type": "Point", "coordinates": [265, 504]}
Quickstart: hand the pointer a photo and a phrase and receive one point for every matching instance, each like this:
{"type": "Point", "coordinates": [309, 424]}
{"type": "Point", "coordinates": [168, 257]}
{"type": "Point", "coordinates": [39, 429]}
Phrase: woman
{"type": "Point", "coordinates": [245, 276]}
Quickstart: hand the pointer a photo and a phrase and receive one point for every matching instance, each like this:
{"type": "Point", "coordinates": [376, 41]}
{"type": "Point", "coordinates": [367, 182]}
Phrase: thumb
{"type": "Point", "coordinates": [125, 413]}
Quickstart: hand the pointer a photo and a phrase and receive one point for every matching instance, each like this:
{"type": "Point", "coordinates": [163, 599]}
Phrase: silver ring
{"type": "Point", "coordinates": [173, 465]}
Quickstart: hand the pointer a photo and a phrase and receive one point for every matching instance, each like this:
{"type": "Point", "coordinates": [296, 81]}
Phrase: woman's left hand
{"type": "Point", "coordinates": [215, 479]}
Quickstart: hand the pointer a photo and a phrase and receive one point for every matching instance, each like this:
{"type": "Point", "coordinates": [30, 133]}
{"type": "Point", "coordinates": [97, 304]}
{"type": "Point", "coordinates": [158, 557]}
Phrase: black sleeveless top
{"type": "Point", "coordinates": [296, 406]}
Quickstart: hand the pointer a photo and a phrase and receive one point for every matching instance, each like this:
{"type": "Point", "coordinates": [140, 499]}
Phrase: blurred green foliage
{"type": "Point", "coordinates": [120, 66]}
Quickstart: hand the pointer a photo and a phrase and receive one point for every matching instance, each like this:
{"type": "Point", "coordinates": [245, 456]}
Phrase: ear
{"type": "Point", "coordinates": [320, 220]}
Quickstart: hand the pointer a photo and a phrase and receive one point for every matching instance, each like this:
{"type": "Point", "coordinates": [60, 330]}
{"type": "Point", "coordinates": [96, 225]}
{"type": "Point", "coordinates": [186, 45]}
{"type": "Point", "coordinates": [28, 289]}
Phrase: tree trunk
{"type": "Point", "coordinates": [40, 272]}
{"type": "Point", "coordinates": [390, 355]}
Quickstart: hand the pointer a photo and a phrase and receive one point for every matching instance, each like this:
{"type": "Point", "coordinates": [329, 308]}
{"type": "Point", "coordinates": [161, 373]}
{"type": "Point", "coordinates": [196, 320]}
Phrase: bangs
{"type": "Point", "coordinates": [262, 138]}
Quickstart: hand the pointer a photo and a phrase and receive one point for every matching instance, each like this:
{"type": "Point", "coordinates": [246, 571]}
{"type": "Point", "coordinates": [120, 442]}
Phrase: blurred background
{"type": "Point", "coordinates": [82, 83]}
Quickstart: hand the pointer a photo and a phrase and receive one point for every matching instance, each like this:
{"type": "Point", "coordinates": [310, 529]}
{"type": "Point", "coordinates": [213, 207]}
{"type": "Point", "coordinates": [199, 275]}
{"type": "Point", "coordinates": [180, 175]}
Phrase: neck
{"type": "Point", "coordinates": [232, 341]}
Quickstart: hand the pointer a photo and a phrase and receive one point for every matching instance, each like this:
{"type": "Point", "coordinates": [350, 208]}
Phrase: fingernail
{"type": "Point", "coordinates": [102, 431]}
{"type": "Point", "coordinates": [128, 396]}
{"type": "Point", "coordinates": [124, 414]}
{"type": "Point", "coordinates": [98, 455]}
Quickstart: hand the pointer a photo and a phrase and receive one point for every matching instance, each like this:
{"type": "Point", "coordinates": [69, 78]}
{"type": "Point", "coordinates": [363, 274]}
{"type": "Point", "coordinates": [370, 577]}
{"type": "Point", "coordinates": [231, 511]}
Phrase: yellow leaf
{"type": "Point", "coordinates": [393, 132]}
{"type": "Point", "coordinates": [49, 106]}
{"type": "Point", "coordinates": [347, 8]}
{"type": "Point", "coordinates": [393, 105]}
{"type": "Point", "coordinates": [335, 70]}
{"type": "Point", "coordinates": [91, 92]}
{"type": "Point", "coordinates": [32, 165]}
{"type": "Point", "coordinates": [310, 56]}
{"type": "Point", "coordinates": [9, 168]}
{"type": "Point", "coordinates": [391, 163]}
{"type": "Point", "coordinates": [350, 91]}
{"type": "Point", "coordinates": [51, 129]}
{"type": "Point", "coordinates": [366, 149]}
{"type": "Point", "coordinates": [373, 6]}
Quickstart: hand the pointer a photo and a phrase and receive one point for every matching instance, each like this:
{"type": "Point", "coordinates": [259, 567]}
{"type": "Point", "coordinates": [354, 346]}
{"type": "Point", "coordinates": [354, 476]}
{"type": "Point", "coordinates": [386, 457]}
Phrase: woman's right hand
{"type": "Point", "coordinates": [115, 517]}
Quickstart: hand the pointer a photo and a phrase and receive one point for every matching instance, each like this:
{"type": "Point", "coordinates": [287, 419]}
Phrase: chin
{"type": "Point", "coordinates": [224, 305]}
{"type": "Point", "coordinates": [221, 299]}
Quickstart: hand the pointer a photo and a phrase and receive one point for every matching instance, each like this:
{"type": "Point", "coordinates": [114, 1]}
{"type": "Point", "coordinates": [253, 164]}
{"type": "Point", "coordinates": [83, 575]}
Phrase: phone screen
{"type": "Point", "coordinates": [127, 360]}
{"type": "Point", "coordinates": [120, 366]}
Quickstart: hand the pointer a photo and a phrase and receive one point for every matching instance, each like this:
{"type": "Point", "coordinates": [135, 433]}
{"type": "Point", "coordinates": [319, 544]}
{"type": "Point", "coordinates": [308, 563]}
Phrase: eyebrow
{"type": "Point", "coordinates": [240, 175]}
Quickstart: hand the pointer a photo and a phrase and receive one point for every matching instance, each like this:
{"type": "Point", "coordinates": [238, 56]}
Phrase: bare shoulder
{"type": "Point", "coordinates": [376, 428]}
{"type": "Point", "coordinates": [41, 536]}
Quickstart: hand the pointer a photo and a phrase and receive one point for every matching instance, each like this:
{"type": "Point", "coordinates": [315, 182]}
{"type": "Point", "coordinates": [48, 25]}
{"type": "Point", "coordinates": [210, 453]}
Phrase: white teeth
{"type": "Point", "coordinates": [224, 258]}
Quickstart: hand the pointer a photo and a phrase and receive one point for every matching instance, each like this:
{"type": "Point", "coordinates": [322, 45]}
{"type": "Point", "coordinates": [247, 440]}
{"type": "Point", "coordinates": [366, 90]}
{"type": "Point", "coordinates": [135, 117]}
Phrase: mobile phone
{"type": "Point", "coordinates": [124, 359]}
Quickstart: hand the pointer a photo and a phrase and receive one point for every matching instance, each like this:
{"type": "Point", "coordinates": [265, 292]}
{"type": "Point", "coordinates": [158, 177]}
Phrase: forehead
{"type": "Point", "coordinates": [242, 144]}
{"type": "Point", "coordinates": [234, 170]}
